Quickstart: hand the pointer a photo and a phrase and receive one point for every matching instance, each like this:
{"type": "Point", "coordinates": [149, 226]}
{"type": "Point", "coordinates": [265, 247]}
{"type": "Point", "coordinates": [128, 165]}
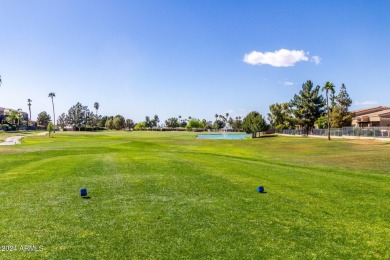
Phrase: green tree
{"type": "Point", "coordinates": [77, 115]}
{"type": "Point", "coordinates": [148, 122]}
{"type": "Point", "coordinates": [43, 118]}
{"type": "Point", "coordinates": [321, 122]}
{"type": "Point", "coordinates": [183, 123]}
{"type": "Point", "coordinates": [253, 123]}
{"type": "Point", "coordinates": [140, 126]}
{"type": "Point", "coordinates": [13, 116]}
{"type": "Point", "coordinates": [223, 119]}
{"type": "Point", "coordinates": [336, 117]}
{"type": "Point", "coordinates": [50, 128]}
{"type": "Point", "coordinates": [21, 120]}
{"type": "Point", "coordinates": [172, 122]}
{"type": "Point", "coordinates": [52, 95]}
{"type": "Point", "coordinates": [344, 101]}
{"type": "Point", "coordinates": [62, 121]}
{"type": "Point", "coordinates": [343, 98]}
{"type": "Point", "coordinates": [29, 107]}
{"type": "Point", "coordinates": [110, 123]}
{"type": "Point", "coordinates": [218, 124]}
{"type": "Point", "coordinates": [339, 114]}
{"type": "Point", "coordinates": [102, 121]}
{"type": "Point", "coordinates": [329, 87]}
{"type": "Point", "coordinates": [194, 123]}
{"type": "Point", "coordinates": [119, 122]}
{"type": "Point", "coordinates": [230, 122]}
{"type": "Point", "coordinates": [129, 124]}
{"type": "Point", "coordinates": [97, 121]}
{"type": "Point", "coordinates": [307, 107]}
{"type": "Point", "coordinates": [280, 116]}
{"type": "Point", "coordinates": [89, 119]}
{"type": "Point", "coordinates": [154, 121]}
{"type": "Point", "coordinates": [237, 124]}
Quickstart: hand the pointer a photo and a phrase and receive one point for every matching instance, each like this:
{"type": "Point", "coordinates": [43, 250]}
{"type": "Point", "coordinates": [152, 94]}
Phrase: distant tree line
{"type": "Point", "coordinates": [306, 110]}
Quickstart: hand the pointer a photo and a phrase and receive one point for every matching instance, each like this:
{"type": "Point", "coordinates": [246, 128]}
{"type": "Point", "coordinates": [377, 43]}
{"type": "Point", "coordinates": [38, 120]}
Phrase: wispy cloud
{"type": "Point", "coordinates": [316, 59]}
{"type": "Point", "coordinates": [366, 103]}
{"type": "Point", "coordinates": [286, 83]}
{"type": "Point", "coordinates": [279, 58]}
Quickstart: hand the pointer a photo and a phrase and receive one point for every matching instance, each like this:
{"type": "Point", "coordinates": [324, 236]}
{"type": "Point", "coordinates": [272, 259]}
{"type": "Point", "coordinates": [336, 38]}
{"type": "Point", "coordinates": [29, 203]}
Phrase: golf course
{"type": "Point", "coordinates": [168, 195]}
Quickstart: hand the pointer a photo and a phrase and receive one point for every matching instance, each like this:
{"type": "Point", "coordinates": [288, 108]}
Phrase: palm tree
{"type": "Point", "coordinates": [227, 117]}
{"type": "Point", "coordinates": [12, 116]}
{"type": "Point", "coordinates": [328, 87]}
{"type": "Point", "coordinates": [52, 95]}
{"type": "Point", "coordinates": [20, 111]}
{"type": "Point", "coordinates": [29, 107]}
{"type": "Point", "coordinates": [96, 106]}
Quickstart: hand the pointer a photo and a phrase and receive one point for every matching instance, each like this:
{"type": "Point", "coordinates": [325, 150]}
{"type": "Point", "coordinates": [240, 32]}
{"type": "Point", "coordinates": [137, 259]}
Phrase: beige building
{"type": "Point", "coordinates": [375, 116]}
{"type": "Point", "coordinates": [4, 112]}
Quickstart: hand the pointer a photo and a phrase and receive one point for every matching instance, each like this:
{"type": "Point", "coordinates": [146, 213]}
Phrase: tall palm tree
{"type": "Point", "coordinates": [96, 106]}
{"type": "Point", "coordinates": [227, 117]}
{"type": "Point", "coordinates": [52, 95]}
{"type": "Point", "coordinates": [328, 87]}
{"type": "Point", "coordinates": [29, 107]}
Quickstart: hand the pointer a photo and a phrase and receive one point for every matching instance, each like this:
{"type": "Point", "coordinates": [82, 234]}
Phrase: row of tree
{"type": "Point", "coordinates": [305, 110]}
{"type": "Point", "coordinates": [221, 121]}
{"type": "Point", "coordinates": [309, 108]}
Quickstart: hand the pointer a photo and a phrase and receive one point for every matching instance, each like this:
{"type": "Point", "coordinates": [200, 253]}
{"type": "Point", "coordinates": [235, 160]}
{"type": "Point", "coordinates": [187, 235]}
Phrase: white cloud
{"type": "Point", "coordinates": [366, 103]}
{"type": "Point", "coordinates": [316, 59]}
{"type": "Point", "coordinates": [286, 83]}
{"type": "Point", "coordinates": [280, 58]}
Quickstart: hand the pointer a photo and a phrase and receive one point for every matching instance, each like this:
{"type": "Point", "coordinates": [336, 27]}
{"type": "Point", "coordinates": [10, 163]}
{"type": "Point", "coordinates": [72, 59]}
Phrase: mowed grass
{"type": "Point", "coordinates": [169, 196]}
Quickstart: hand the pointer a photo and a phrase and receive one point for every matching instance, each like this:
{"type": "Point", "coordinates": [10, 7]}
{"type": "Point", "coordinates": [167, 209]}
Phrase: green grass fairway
{"type": "Point", "coordinates": [169, 196]}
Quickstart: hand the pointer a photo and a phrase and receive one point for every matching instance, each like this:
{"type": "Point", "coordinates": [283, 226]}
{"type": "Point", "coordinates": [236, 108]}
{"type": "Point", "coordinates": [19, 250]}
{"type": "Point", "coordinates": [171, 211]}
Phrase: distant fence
{"type": "Point", "coordinates": [374, 132]}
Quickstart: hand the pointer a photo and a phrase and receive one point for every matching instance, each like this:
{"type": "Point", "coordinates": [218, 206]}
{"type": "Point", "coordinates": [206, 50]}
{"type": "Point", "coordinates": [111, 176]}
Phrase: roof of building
{"type": "Point", "coordinates": [371, 110]}
{"type": "Point", "coordinates": [372, 114]}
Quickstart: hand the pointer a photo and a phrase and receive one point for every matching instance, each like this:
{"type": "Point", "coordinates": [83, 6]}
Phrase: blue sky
{"type": "Point", "coordinates": [189, 58]}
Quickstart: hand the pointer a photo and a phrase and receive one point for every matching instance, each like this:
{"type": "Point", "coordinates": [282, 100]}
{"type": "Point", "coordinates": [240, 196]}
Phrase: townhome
{"type": "Point", "coordinates": [375, 116]}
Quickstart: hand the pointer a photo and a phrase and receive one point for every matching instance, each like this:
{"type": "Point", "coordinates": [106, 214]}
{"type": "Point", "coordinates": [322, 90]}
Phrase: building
{"type": "Point", "coordinates": [4, 112]}
{"type": "Point", "coordinates": [375, 116]}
